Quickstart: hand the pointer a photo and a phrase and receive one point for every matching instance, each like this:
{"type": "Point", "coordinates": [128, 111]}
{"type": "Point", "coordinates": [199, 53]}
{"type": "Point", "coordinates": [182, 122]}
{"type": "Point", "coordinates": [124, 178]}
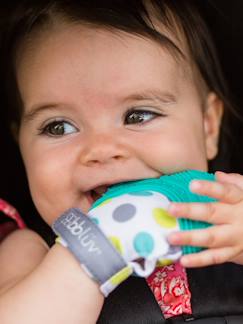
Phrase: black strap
{"type": "Point", "coordinates": [217, 298]}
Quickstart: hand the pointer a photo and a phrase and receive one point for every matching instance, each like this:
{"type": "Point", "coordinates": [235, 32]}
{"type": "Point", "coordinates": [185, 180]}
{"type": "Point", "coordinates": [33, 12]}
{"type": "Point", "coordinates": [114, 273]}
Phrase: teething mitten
{"type": "Point", "coordinates": [134, 217]}
{"type": "Point", "coordinates": [137, 223]}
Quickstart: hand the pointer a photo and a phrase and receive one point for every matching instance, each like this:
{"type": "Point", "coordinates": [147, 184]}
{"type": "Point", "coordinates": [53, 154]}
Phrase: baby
{"type": "Point", "coordinates": [105, 92]}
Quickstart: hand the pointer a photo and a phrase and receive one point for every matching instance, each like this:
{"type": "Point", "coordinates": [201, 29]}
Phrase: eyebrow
{"type": "Point", "coordinates": [149, 95]}
{"type": "Point", "coordinates": [38, 109]}
{"type": "Point", "coordinates": [163, 97]}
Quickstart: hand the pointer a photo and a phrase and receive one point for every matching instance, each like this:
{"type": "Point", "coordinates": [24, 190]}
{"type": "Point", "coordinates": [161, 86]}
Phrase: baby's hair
{"type": "Point", "coordinates": [147, 19]}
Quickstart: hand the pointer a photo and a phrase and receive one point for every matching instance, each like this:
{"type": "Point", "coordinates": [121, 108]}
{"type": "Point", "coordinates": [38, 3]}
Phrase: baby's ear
{"type": "Point", "coordinates": [213, 112]}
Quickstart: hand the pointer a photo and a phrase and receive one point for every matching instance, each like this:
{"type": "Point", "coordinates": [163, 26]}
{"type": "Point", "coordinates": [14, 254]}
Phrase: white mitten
{"type": "Point", "coordinates": [138, 224]}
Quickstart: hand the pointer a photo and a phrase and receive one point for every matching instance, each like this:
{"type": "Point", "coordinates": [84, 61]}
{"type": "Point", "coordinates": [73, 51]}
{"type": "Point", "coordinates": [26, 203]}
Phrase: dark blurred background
{"type": "Point", "coordinates": [225, 20]}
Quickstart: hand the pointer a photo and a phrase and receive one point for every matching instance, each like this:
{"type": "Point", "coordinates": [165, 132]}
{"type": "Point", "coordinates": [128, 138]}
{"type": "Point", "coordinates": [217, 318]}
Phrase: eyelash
{"type": "Point", "coordinates": [142, 113]}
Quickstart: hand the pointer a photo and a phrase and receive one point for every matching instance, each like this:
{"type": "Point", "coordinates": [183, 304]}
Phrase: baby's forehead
{"type": "Point", "coordinates": [176, 43]}
{"type": "Point", "coordinates": [171, 43]}
{"type": "Point", "coordinates": [172, 39]}
{"type": "Point", "coordinates": [161, 25]}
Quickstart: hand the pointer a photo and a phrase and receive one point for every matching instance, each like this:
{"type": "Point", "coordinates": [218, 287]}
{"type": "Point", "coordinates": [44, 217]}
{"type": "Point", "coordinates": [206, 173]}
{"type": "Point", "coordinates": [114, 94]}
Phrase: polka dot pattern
{"type": "Point", "coordinates": [117, 243]}
{"type": "Point", "coordinates": [163, 218]}
{"type": "Point", "coordinates": [137, 224]}
{"type": "Point", "coordinates": [143, 244]}
{"type": "Point", "coordinates": [95, 220]}
{"type": "Point", "coordinates": [164, 262]}
{"type": "Point", "coordinates": [124, 212]}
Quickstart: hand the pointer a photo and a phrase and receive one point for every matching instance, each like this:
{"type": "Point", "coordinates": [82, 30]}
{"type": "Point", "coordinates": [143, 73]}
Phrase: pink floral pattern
{"type": "Point", "coordinates": [170, 287]}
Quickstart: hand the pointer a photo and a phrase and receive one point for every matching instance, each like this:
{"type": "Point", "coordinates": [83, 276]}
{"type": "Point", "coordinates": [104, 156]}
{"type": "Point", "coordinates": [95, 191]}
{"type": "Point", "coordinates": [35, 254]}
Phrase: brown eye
{"type": "Point", "coordinates": [55, 129]}
{"type": "Point", "coordinates": [59, 128]}
{"type": "Point", "coordinates": [140, 116]}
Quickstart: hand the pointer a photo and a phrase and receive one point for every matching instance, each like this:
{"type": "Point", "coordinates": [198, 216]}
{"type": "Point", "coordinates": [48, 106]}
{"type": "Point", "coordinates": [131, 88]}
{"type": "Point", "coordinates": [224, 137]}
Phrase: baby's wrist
{"type": "Point", "coordinates": [92, 249]}
{"type": "Point", "coordinates": [65, 260]}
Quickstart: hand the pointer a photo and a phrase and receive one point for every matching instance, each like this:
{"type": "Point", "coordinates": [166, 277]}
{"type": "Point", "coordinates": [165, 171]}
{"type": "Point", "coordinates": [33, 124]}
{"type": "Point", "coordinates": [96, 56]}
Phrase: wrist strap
{"type": "Point", "coordinates": [92, 249]}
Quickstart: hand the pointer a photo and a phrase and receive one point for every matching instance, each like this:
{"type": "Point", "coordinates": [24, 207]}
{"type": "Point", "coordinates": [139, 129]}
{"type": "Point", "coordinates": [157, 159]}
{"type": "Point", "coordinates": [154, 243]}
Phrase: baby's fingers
{"type": "Point", "coordinates": [212, 237]}
{"type": "Point", "coordinates": [225, 192]}
{"type": "Point", "coordinates": [213, 213]}
{"type": "Point", "coordinates": [233, 178]}
{"type": "Point", "coordinates": [208, 257]}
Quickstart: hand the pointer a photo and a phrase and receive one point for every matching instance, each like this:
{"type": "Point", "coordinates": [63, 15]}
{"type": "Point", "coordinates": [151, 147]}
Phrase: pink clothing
{"type": "Point", "coordinates": [7, 227]}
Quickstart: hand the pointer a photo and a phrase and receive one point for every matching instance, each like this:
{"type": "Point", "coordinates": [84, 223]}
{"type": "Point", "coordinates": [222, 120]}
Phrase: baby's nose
{"type": "Point", "coordinates": [103, 149]}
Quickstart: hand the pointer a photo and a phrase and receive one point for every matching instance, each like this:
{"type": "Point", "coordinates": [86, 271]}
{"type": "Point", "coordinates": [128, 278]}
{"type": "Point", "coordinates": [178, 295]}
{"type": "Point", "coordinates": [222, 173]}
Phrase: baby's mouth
{"type": "Point", "coordinates": [98, 192]}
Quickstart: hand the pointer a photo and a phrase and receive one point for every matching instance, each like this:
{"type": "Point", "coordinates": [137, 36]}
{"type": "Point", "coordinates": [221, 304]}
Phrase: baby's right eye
{"type": "Point", "coordinates": [58, 128]}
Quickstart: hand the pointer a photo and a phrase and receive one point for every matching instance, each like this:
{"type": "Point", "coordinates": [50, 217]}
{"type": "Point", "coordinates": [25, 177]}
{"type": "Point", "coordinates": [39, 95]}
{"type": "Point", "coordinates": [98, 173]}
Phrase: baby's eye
{"type": "Point", "coordinates": [140, 116]}
{"type": "Point", "coordinates": [58, 128]}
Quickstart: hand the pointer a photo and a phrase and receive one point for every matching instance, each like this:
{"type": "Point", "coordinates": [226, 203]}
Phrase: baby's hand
{"type": "Point", "coordinates": [224, 240]}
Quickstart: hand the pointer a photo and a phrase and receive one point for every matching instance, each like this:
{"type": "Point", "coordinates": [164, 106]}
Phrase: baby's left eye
{"type": "Point", "coordinates": [140, 116]}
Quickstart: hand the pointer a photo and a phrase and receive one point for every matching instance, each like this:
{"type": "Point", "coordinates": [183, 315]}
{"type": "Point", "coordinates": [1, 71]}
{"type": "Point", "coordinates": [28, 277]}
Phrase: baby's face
{"type": "Point", "coordinates": [102, 108]}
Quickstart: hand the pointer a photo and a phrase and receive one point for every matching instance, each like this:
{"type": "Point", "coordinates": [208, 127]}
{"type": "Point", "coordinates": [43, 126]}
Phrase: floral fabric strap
{"type": "Point", "coordinates": [8, 226]}
{"type": "Point", "coordinates": [170, 287]}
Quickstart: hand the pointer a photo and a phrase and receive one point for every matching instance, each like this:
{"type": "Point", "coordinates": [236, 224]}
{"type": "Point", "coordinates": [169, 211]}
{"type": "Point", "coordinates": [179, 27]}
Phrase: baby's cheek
{"type": "Point", "coordinates": [47, 195]}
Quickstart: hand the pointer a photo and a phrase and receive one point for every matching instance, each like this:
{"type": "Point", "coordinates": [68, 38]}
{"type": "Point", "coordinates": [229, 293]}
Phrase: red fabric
{"type": "Point", "coordinates": [170, 287]}
{"type": "Point", "coordinates": [11, 212]}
